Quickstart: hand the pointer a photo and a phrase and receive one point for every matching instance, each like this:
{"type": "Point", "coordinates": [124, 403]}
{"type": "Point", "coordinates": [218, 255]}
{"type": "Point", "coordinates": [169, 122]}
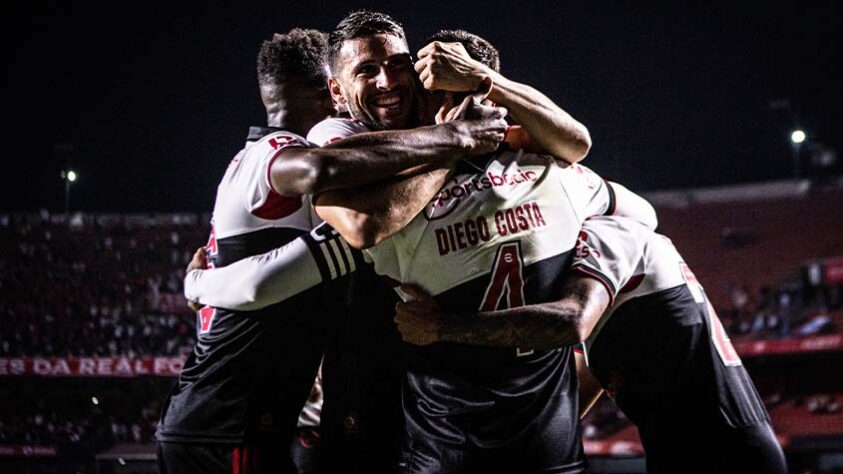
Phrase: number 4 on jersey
{"type": "Point", "coordinates": [507, 279]}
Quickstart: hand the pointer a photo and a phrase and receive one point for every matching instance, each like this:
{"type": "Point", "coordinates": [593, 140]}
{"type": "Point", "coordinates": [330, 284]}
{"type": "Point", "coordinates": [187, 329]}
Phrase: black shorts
{"type": "Point", "coordinates": [425, 457]}
{"type": "Point", "coordinates": [190, 458]}
{"type": "Point", "coordinates": [550, 442]}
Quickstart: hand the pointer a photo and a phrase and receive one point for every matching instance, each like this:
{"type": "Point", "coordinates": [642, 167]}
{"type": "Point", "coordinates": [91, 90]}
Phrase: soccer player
{"type": "Point", "coordinates": [658, 348]}
{"type": "Point", "coordinates": [241, 390]}
{"type": "Point", "coordinates": [499, 233]}
{"type": "Point", "coordinates": [591, 185]}
{"type": "Point", "coordinates": [235, 405]}
{"type": "Point", "coordinates": [663, 355]}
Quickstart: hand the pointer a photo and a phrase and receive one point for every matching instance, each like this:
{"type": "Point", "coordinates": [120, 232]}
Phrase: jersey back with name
{"type": "Point", "coordinates": [498, 235]}
{"type": "Point", "coordinates": [249, 372]}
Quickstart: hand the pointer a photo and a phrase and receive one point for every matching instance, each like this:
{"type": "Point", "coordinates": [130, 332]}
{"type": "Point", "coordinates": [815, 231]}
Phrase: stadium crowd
{"type": "Point", "coordinates": [796, 308]}
{"type": "Point", "coordinates": [95, 286]}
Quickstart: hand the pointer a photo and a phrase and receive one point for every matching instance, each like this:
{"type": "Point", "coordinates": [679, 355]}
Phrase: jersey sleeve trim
{"type": "Point", "coordinates": [272, 160]}
{"type": "Point", "coordinates": [599, 276]}
{"type": "Point", "coordinates": [333, 256]}
{"type": "Point", "coordinates": [276, 205]}
{"type": "Point", "coordinates": [613, 199]}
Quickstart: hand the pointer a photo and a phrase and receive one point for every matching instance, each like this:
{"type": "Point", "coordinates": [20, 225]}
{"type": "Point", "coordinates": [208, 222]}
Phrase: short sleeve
{"type": "Point", "coordinates": [262, 200]}
{"type": "Point", "coordinates": [589, 194]}
{"type": "Point", "coordinates": [611, 250]}
{"type": "Point", "coordinates": [334, 129]}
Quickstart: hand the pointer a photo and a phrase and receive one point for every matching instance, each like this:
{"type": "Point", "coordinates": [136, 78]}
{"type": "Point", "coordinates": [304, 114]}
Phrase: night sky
{"type": "Point", "coordinates": [149, 102]}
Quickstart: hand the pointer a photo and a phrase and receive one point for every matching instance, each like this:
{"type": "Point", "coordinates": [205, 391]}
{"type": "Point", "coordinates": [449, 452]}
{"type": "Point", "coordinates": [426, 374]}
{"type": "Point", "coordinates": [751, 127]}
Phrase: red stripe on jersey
{"type": "Point", "coordinates": [633, 283]}
{"type": "Point", "coordinates": [277, 206]}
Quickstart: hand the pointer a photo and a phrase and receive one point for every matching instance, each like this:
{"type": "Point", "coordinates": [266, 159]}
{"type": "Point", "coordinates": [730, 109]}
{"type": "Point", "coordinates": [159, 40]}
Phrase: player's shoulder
{"type": "Point", "coordinates": [335, 128]}
{"type": "Point", "coordinates": [277, 141]}
{"type": "Point", "coordinates": [578, 175]}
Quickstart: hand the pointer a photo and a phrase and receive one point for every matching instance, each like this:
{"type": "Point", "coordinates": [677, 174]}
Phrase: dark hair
{"type": "Point", "coordinates": [477, 47]}
{"type": "Point", "coordinates": [297, 55]}
{"type": "Point", "coordinates": [358, 24]}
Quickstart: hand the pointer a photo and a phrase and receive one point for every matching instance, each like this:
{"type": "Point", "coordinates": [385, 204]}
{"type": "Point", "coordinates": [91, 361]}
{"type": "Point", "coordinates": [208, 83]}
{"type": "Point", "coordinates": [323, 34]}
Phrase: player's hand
{"type": "Point", "coordinates": [419, 320]}
{"type": "Point", "coordinates": [482, 127]}
{"type": "Point", "coordinates": [447, 66]}
{"type": "Point", "coordinates": [199, 262]}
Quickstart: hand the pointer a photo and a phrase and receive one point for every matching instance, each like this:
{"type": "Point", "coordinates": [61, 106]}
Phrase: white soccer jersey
{"type": "Point", "coordinates": [332, 129]}
{"type": "Point", "coordinates": [245, 199]}
{"type": "Point", "coordinates": [256, 282]}
{"type": "Point", "coordinates": [261, 280]}
{"type": "Point", "coordinates": [517, 209]}
{"type": "Point", "coordinates": [631, 260]}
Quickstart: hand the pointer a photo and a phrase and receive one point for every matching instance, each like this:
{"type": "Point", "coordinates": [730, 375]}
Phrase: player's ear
{"type": "Point", "coordinates": [336, 93]}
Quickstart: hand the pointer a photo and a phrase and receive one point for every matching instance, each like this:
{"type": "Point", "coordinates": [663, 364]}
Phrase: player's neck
{"type": "Point", "coordinates": [290, 124]}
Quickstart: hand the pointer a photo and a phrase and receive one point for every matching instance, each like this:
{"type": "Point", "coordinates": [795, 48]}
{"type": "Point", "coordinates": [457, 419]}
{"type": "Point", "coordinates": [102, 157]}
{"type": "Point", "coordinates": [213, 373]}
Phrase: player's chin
{"type": "Point", "coordinates": [393, 122]}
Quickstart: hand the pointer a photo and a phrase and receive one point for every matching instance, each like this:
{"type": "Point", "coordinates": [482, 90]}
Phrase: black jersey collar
{"type": "Point", "coordinates": [256, 133]}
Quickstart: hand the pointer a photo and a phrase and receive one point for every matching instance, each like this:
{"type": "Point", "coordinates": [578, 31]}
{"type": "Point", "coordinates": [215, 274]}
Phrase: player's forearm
{"type": "Point", "coordinates": [589, 388]}
{"type": "Point", "coordinates": [367, 158]}
{"type": "Point", "coordinates": [541, 326]}
{"type": "Point", "coordinates": [255, 282]}
{"type": "Point", "coordinates": [550, 127]}
{"type": "Point", "coordinates": [366, 216]}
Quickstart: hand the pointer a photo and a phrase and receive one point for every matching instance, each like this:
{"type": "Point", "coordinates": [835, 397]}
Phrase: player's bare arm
{"type": "Point", "coordinates": [367, 216]}
{"type": "Point", "coordinates": [448, 66]}
{"type": "Point", "coordinates": [541, 326]}
{"type": "Point", "coordinates": [370, 157]}
{"type": "Point", "coordinates": [589, 388]}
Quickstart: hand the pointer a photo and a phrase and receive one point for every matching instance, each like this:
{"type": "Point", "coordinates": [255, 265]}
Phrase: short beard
{"type": "Point", "coordinates": [365, 119]}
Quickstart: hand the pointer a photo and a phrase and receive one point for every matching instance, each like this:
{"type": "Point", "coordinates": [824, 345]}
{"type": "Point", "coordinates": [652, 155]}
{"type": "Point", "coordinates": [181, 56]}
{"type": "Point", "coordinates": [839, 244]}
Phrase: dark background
{"type": "Point", "coordinates": [148, 102]}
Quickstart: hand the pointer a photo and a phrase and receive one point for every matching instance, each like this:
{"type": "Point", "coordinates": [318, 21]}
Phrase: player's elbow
{"type": "Point", "coordinates": [367, 234]}
{"type": "Point", "coordinates": [322, 173]}
{"type": "Point", "coordinates": [580, 329]}
{"type": "Point", "coordinates": [580, 144]}
{"type": "Point", "coordinates": [572, 145]}
{"type": "Point", "coordinates": [357, 228]}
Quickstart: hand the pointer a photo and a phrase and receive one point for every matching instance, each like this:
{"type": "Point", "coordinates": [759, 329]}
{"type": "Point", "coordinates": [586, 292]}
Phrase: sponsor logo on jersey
{"type": "Point", "coordinates": [455, 191]}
